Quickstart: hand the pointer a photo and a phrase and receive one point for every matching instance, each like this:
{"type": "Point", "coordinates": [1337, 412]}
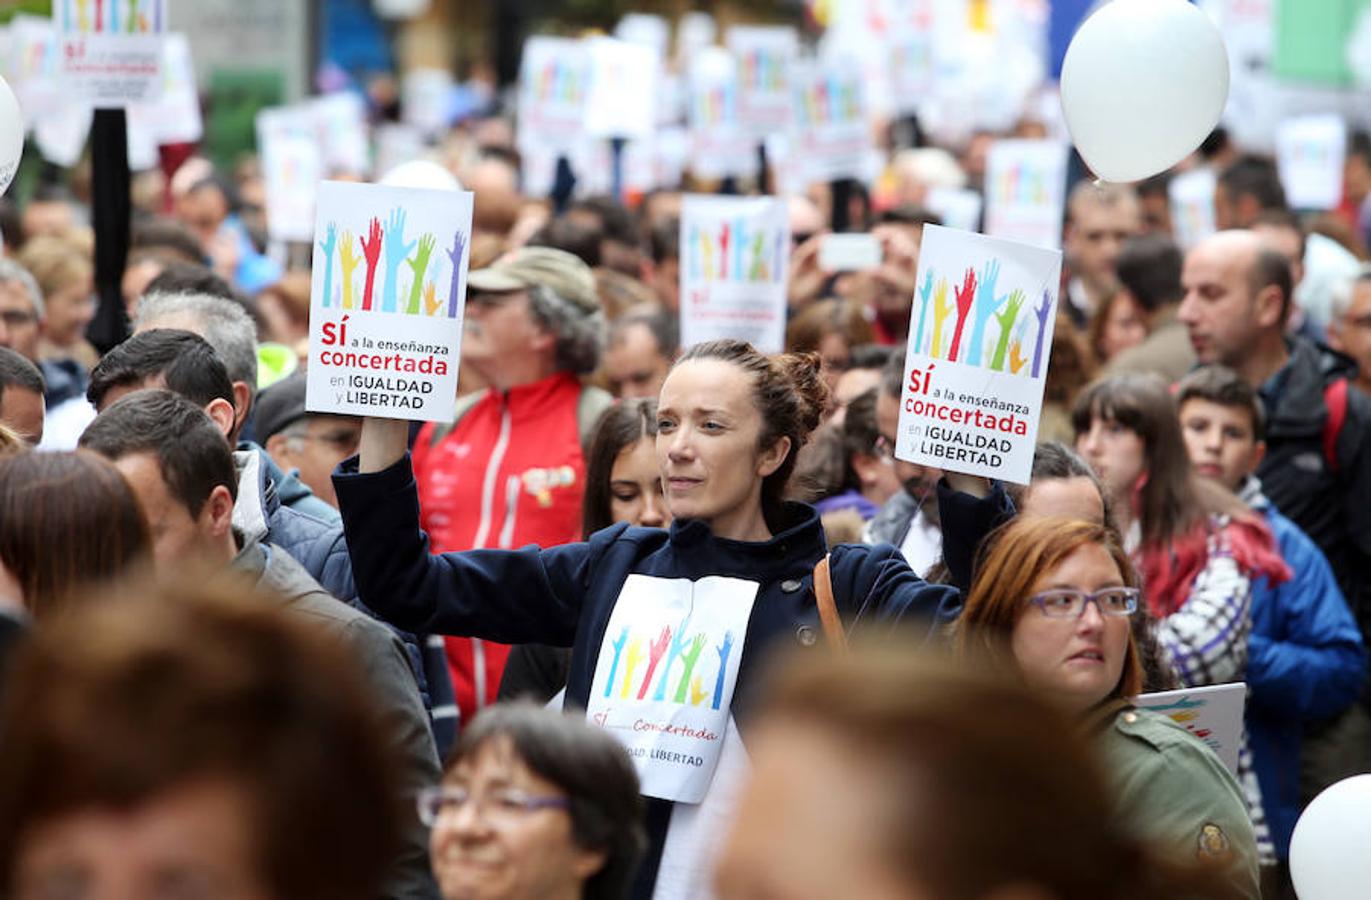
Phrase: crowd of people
{"type": "Point", "coordinates": [252, 650]}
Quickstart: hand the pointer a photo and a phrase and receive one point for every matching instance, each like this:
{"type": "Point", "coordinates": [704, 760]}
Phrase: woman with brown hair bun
{"type": "Point", "coordinates": [884, 774]}
{"type": "Point", "coordinates": [1051, 604]}
{"type": "Point", "coordinates": [665, 627]}
{"type": "Point", "coordinates": [67, 521]}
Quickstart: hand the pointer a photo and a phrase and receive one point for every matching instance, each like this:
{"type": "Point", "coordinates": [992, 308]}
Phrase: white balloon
{"type": "Point", "coordinates": [11, 135]}
{"type": "Point", "coordinates": [421, 173]}
{"type": "Point", "coordinates": [1143, 83]}
{"type": "Point", "coordinates": [1330, 851]}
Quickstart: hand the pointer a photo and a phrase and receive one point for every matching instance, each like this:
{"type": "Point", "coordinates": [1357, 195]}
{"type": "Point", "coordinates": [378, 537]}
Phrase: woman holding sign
{"type": "Point", "coordinates": [1052, 603]}
{"type": "Point", "coordinates": [666, 627]}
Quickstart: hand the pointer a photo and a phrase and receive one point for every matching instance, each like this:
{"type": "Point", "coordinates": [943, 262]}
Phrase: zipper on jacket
{"type": "Point", "coordinates": [512, 485]}
{"type": "Point", "coordinates": [497, 457]}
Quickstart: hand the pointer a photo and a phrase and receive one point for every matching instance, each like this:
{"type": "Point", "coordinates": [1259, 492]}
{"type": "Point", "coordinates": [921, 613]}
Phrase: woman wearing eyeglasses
{"type": "Point", "coordinates": [534, 805]}
{"type": "Point", "coordinates": [1052, 602]}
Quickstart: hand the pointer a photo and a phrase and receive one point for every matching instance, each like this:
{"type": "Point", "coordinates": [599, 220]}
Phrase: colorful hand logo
{"type": "Point", "coordinates": [431, 302]}
{"type": "Point", "coordinates": [348, 260]}
{"type": "Point", "coordinates": [396, 251]}
{"type": "Point", "coordinates": [328, 245]}
{"type": "Point", "coordinates": [689, 658]}
{"type": "Point", "coordinates": [455, 254]}
{"type": "Point", "coordinates": [1042, 312]}
{"type": "Point", "coordinates": [723, 650]}
{"type": "Point", "coordinates": [942, 308]}
{"type": "Point", "coordinates": [618, 646]}
{"type": "Point", "coordinates": [925, 294]}
{"type": "Point", "coordinates": [1016, 360]}
{"type": "Point", "coordinates": [371, 249]}
{"type": "Point", "coordinates": [987, 304]}
{"type": "Point", "coordinates": [655, 651]}
{"type": "Point", "coordinates": [418, 265]}
{"type": "Point", "coordinates": [635, 656]}
{"type": "Point", "coordinates": [966, 296]}
{"type": "Point", "coordinates": [1006, 320]}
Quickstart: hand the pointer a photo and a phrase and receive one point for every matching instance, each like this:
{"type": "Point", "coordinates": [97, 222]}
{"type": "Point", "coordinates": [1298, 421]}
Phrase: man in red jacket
{"type": "Point", "coordinates": [509, 470]}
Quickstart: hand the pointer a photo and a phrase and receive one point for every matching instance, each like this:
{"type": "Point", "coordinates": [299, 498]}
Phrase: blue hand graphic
{"type": "Point", "coordinates": [396, 251]}
{"type": "Point", "coordinates": [925, 293]}
{"type": "Point", "coordinates": [987, 304]}
{"type": "Point", "coordinates": [618, 646]}
{"type": "Point", "coordinates": [723, 650]}
{"type": "Point", "coordinates": [328, 245]}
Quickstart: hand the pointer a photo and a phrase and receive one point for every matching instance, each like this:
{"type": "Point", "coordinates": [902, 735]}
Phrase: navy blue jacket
{"type": "Point", "coordinates": [563, 596]}
{"type": "Point", "coordinates": [1305, 662]}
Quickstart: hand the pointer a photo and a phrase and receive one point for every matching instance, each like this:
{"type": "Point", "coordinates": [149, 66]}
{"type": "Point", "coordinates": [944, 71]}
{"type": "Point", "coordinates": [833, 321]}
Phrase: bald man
{"type": "Point", "coordinates": [1317, 469]}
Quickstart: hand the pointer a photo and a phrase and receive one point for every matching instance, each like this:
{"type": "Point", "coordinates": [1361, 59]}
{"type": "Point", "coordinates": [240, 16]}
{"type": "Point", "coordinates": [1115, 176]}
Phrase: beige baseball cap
{"type": "Point", "coordinates": [558, 270]}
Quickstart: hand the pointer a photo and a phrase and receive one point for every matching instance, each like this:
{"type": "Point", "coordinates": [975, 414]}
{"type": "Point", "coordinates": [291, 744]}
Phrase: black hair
{"type": "Point", "coordinates": [590, 766]}
{"type": "Point", "coordinates": [17, 370]}
{"type": "Point", "coordinates": [860, 433]}
{"type": "Point", "coordinates": [189, 278]}
{"type": "Point", "coordinates": [1150, 268]}
{"type": "Point", "coordinates": [664, 240]}
{"type": "Point", "coordinates": [1257, 177]}
{"type": "Point", "coordinates": [616, 222]}
{"type": "Point", "coordinates": [1272, 268]}
{"type": "Point", "coordinates": [191, 451]}
{"type": "Point", "coordinates": [909, 214]}
{"type": "Point", "coordinates": [185, 361]}
{"type": "Point", "coordinates": [576, 238]}
{"type": "Point", "coordinates": [663, 325]}
{"type": "Point", "coordinates": [870, 356]}
{"type": "Point", "coordinates": [166, 238]}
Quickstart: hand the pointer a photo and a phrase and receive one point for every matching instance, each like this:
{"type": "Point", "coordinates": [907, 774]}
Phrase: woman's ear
{"type": "Point", "coordinates": [771, 458]}
{"type": "Point", "coordinates": [589, 862]}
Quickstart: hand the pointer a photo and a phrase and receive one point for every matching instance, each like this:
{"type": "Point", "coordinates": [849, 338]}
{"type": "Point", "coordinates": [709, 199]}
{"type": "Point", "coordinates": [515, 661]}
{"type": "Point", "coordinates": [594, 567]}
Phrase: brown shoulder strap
{"type": "Point", "coordinates": [828, 609]}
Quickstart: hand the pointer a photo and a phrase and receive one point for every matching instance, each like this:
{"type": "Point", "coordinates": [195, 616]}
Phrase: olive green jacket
{"type": "Point", "coordinates": [1176, 794]}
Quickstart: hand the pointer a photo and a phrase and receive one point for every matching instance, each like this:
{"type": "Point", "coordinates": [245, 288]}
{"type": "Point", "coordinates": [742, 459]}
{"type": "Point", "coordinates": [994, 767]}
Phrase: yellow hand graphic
{"type": "Point", "coordinates": [942, 307]}
{"type": "Point", "coordinates": [1016, 360]}
{"type": "Point", "coordinates": [348, 259]}
{"type": "Point", "coordinates": [431, 303]}
{"type": "Point", "coordinates": [697, 693]}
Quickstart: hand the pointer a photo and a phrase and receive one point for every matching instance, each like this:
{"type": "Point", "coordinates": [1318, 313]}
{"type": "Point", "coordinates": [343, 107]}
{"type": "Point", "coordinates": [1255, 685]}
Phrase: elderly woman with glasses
{"type": "Point", "coordinates": [534, 804]}
{"type": "Point", "coordinates": [1051, 602]}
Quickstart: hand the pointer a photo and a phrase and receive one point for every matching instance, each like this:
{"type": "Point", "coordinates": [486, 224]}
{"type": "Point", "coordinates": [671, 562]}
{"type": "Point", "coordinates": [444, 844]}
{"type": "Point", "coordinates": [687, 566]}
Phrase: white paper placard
{"type": "Point", "coordinates": [110, 51]}
{"type": "Point", "coordinates": [32, 69]}
{"type": "Point", "coordinates": [958, 207]}
{"type": "Point", "coordinates": [292, 167]}
{"type": "Point", "coordinates": [765, 54]}
{"type": "Point", "coordinates": [621, 97]}
{"type": "Point", "coordinates": [980, 334]}
{"type": "Point", "coordinates": [833, 139]}
{"type": "Point", "coordinates": [1309, 155]}
{"type": "Point", "coordinates": [553, 77]}
{"type": "Point", "coordinates": [386, 301]}
{"type": "Point", "coordinates": [340, 120]}
{"type": "Point", "coordinates": [913, 65]}
{"type": "Point", "coordinates": [1212, 713]}
{"type": "Point", "coordinates": [61, 134]}
{"type": "Point", "coordinates": [1191, 198]}
{"type": "Point", "coordinates": [665, 677]}
{"type": "Point", "coordinates": [734, 252]}
{"type": "Point", "coordinates": [426, 99]}
{"type": "Point", "coordinates": [720, 146]}
{"type": "Point", "coordinates": [174, 118]}
{"type": "Point", "coordinates": [1025, 191]}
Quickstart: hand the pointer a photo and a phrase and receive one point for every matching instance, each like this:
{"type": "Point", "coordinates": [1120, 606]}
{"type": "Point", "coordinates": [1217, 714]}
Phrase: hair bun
{"type": "Point", "coordinates": [804, 372]}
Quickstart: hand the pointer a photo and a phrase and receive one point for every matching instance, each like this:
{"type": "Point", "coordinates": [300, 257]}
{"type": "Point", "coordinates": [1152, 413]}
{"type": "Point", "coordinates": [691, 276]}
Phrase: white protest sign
{"type": "Point", "coordinates": [426, 99]}
{"type": "Point", "coordinates": [292, 167]}
{"type": "Point", "coordinates": [621, 97]}
{"type": "Point", "coordinates": [694, 32]}
{"type": "Point", "coordinates": [340, 120]}
{"type": "Point", "coordinates": [174, 118]}
{"type": "Point", "coordinates": [833, 139]}
{"type": "Point", "coordinates": [980, 333]}
{"type": "Point", "coordinates": [958, 207]}
{"type": "Point", "coordinates": [720, 146]}
{"type": "Point", "coordinates": [734, 252]}
{"type": "Point", "coordinates": [1190, 196]}
{"type": "Point", "coordinates": [1212, 713]}
{"type": "Point", "coordinates": [553, 78]}
{"type": "Point", "coordinates": [1309, 155]}
{"type": "Point", "coordinates": [766, 101]}
{"type": "Point", "coordinates": [665, 677]}
{"type": "Point", "coordinates": [1025, 191]}
{"type": "Point", "coordinates": [110, 51]}
{"type": "Point", "coordinates": [32, 68]}
{"type": "Point", "coordinates": [913, 66]}
{"type": "Point", "coordinates": [386, 301]}
{"type": "Point", "coordinates": [61, 134]}
{"type": "Point", "coordinates": [649, 30]}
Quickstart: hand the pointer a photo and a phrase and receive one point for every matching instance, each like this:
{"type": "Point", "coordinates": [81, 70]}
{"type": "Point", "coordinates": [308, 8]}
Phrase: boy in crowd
{"type": "Point", "coordinates": [1305, 656]}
